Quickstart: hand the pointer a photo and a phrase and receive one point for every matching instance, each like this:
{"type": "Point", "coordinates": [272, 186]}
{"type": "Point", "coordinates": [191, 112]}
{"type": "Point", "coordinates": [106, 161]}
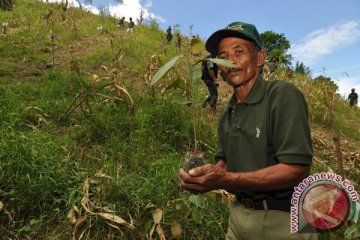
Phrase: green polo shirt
{"type": "Point", "coordinates": [270, 126]}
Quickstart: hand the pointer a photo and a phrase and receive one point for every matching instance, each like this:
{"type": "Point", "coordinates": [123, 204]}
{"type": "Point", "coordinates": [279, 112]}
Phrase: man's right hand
{"type": "Point", "coordinates": [216, 82]}
{"type": "Point", "coordinates": [203, 179]}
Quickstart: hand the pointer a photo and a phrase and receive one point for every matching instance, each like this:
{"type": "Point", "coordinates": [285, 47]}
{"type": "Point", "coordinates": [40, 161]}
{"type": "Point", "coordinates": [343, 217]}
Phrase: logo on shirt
{"type": "Point", "coordinates": [257, 132]}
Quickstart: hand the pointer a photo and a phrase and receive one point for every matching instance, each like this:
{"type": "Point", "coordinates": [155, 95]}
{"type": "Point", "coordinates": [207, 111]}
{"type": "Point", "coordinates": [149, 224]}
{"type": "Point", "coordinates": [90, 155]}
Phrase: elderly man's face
{"type": "Point", "coordinates": [241, 52]}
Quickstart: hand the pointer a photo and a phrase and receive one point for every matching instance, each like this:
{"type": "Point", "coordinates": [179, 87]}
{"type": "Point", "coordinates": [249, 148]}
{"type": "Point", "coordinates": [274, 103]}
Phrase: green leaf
{"type": "Point", "coordinates": [196, 215]}
{"type": "Point", "coordinates": [197, 46]}
{"type": "Point", "coordinates": [164, 69]}
{"type": "Point", "coordinates": [195, 75]}
{"type": "Point", "coordinates": [148, 225]}
{"type": "Point", "coordinates": [183, 209]}
{"type": "Point", "coordinates": [24, 229]}
{"type": "Point", "coordinates": [178, 83]}
{"type": "Point", "coordinates": [222, 62]}
{"type": "Point", "coordinates": [35, 221]}
{"type": "Point", "coordinates": [352, 232]}
{"type": "Point", "coordinates": [197, 200]}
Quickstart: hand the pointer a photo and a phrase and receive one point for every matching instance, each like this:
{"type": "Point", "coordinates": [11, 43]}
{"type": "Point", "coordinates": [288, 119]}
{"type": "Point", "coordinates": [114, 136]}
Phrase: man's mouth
{"type": "Point", "coordinates": [233, 72]}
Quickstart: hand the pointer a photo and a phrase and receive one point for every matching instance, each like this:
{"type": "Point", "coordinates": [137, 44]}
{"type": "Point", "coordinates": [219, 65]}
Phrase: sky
{"type": "Point", "coordinates": [323, 34]}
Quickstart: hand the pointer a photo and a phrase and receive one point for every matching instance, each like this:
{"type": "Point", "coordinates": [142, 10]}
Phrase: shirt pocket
{"type": "Point", "coordinates": [234, 149]}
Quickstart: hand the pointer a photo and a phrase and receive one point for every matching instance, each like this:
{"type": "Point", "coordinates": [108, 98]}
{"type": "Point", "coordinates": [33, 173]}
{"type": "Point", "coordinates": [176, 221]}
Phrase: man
{"type": "Point", "coordinates": [353, 98]}
{"type": "Point", "coordinates": [178, 42]}
{"type": "Point", "coordinates": [169, 35]}
{"type": "Point", "coordinates": [122, 22]}
{"type": "Point", "coordinates": [264, 143]}
{"type": "Point", "coordinates": [131, 25]}
{"type": "Point", "coordinates": [209, 76]}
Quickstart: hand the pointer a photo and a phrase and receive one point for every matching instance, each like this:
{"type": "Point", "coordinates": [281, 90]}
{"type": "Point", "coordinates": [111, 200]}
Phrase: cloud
{"type": "Point", "coordinates": [74, 3]}
{"type": "Point", "coordinates": [148, 4]}
{"type": "Point", "coordinates": [325, 41]}
{"type": "Point", "coordinates": [133, 8]}
{"type": "Point", "coordinates": [127, 9]}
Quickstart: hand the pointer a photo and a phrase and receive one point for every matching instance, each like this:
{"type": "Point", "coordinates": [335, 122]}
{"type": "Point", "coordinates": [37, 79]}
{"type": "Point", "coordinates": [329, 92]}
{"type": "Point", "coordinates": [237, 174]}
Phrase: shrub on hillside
{"type": "Point", "coordinates": [6, 5]}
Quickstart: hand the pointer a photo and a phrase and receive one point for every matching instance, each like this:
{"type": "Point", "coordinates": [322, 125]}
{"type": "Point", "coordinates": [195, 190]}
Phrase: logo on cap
{"type": "Point", "coordinates": [236, 27]}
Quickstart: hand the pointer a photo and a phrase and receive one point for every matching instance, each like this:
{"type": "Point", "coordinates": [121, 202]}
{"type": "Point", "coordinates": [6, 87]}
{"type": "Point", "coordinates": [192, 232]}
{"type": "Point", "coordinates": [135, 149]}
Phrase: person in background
{"type": "Point", "coordinates": [122, 22]}
{"type": "Point", "coordinates": [353, 98]}
{"type": "Point", "coordinates": [264, 144]}
{"type": "Point", "coordinates": [131, 26]}
{"type": "Point", "coordinates": [209, 72]}
{"type": "Point", "coordinates": [178, 42]}
{"type": "Point", "coordinates": [169, 35]}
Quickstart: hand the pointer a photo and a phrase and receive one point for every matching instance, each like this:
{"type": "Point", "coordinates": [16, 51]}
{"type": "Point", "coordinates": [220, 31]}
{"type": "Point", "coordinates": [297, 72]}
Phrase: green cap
{"type": "Point", "coordinates": [236, 29]}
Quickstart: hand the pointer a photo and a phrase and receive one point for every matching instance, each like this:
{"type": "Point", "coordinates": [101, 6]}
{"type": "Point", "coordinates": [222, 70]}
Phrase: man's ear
{"type": "Point", "coordinates": [261, 57]}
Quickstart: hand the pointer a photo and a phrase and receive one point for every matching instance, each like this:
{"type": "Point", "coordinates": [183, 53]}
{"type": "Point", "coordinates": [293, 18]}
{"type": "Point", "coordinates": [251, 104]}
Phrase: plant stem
{"type": "Point", "coordinates": [194, 113]}
{"type": "Point", "coordinates": [336, 138]}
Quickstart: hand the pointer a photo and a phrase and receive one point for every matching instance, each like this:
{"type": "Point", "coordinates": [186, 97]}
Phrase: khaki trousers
{"type": "Point", "coordinates": [247, 224]}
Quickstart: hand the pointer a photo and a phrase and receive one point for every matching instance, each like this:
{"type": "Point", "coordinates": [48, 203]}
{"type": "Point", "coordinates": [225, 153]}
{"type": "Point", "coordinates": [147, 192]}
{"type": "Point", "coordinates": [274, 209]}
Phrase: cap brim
{"type": "Point", "coordinates": [213, 41]}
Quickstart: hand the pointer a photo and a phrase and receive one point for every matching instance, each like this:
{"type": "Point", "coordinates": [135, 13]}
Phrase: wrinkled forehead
{"type": "Point", "coordinates": [231, 43]}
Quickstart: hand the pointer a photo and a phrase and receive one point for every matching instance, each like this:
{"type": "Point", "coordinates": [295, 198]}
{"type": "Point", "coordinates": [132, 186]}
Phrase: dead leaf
{"type": "Point", "coordinates": [113, 226]}
{"type": "Point", "coordinates": [80, 220]}
{"type": "Point", "coordinates": [176, 229]}
{"type": "Point", "coordinates": [160, 232]}
{"type": "Point", "coordinates": [150, 205]}
{"type": "Point", "coordinates": [115, 219]}
{"type": "Point", "coordinates": [104, 67]}
{"type": "Point", "coordinates": [152, 231]}
{"type": "Point", "coordinates": [1, 206]}
{"type": "Point", "coordinates": [99, 174]}
{"type": "Point", "coordinates": [72, 215]}
{"type": "Point", "coordinates": [157, 215]}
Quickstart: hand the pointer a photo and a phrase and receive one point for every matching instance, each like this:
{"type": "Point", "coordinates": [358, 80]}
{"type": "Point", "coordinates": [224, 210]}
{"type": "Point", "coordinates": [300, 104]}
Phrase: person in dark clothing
{"type": "Point", "coordinates": [353, 98]}
{"type": "Point", "coordinates": [169, 35]}
{"type": "Point", "coordinates": [122, 22]}
{"type": "Point", "coordinates": [178, 42]}
{"type": "Point", "coordinates": [209, 76]}
{"type": "Point", "coordinates": [131, 26]}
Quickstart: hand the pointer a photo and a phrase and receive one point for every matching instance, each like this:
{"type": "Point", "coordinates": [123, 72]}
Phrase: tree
{"type": "Point", "coordinates": [321, 79]}
{"type": "Point", "coordinates": [6, 5]}
{"type": "Point", "coordinates": [140, 20]}
{"type": "Point", "coordinates": [80, 5]}
{"type": "Point", "coordinates": [301, 68]}
{"type": "Point", "coordinates": [276, 45]}
{"type": "Point", "coordinates": [177, 29]}
{"type": "Point", "coordinates": [104, 11]}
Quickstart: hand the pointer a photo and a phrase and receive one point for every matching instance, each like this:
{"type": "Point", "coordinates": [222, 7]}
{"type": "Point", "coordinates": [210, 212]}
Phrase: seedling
{"type": "Point", "coordinates": [194, 158]}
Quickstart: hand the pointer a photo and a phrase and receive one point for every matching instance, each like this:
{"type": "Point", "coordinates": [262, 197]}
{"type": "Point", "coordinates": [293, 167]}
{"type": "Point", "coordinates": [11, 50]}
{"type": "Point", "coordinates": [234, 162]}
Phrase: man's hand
{"type": "Point", "coordinates": [203, 179]}
{"type": "Point", "coordinates": [216, 81]}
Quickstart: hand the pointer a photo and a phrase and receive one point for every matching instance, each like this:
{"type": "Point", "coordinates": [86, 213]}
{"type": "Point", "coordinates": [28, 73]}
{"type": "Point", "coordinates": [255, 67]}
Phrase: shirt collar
{"type": "Point", "coordinates": [255, 95]}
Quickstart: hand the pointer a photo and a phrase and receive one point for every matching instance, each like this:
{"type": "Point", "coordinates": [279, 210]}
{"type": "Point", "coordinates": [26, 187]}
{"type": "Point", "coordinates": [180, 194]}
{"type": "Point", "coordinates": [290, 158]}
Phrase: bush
{"type": "Point", "coordinates": [6, 5]}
